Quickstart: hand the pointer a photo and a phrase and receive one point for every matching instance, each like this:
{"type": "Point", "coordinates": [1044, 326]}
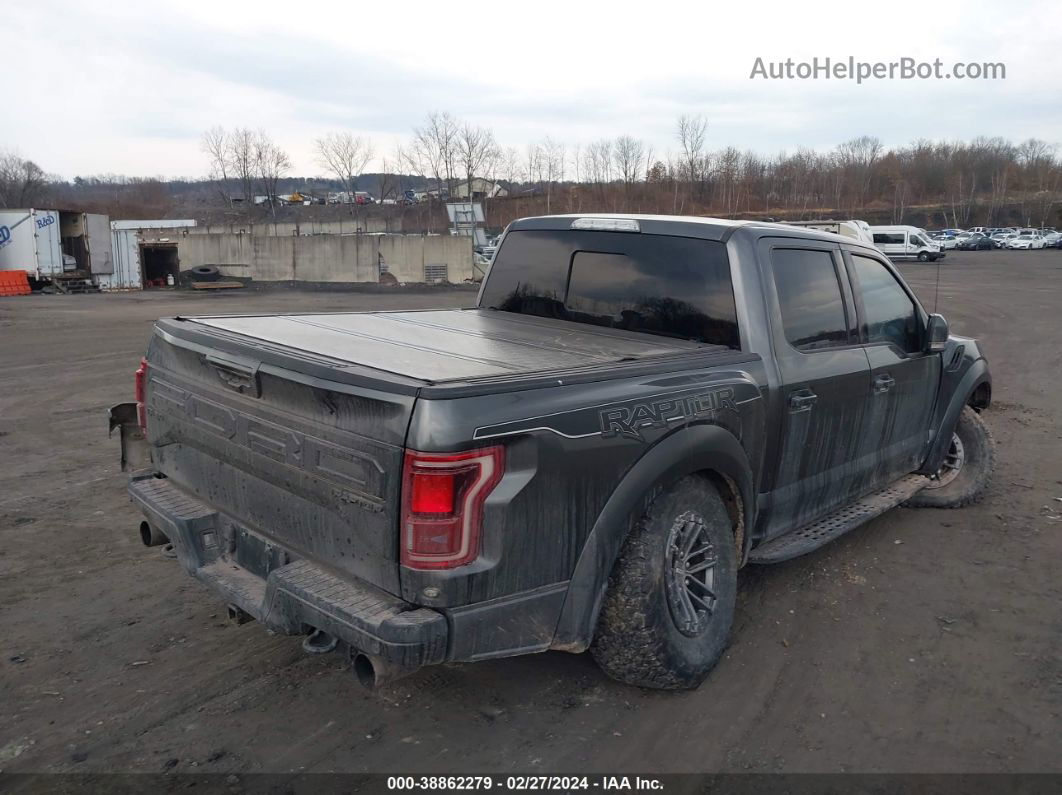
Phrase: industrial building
{"type": "Point", "coordinates": [64, 248]}
{"type": "Point", "coordinates": [145, 254]}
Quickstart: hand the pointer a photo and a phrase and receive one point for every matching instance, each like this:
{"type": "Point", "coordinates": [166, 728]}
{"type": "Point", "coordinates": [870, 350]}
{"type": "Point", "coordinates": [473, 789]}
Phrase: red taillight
{"type": "Point", "coordinates": [140, 381]}
{"type": "Point", "coordinates": [433, 493]}
{"type": "Point", "coordinates": [442, 505]}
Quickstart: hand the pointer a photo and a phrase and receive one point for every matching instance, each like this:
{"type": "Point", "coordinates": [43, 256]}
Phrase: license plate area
{"type": "Point", "coordinates": [250, 551]}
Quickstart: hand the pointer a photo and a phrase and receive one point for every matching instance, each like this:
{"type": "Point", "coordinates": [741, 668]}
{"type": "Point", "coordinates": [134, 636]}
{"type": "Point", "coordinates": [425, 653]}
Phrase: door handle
{"type": "Point", "coordinates": [883, 383]}
{"type": "Point", "coordinates": [802, 400]}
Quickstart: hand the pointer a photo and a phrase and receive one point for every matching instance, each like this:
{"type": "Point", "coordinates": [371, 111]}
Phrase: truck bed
{"type": "Point", "coordinates": [292, 428]}
{"type": "Point", "coordinates": [437, 347]}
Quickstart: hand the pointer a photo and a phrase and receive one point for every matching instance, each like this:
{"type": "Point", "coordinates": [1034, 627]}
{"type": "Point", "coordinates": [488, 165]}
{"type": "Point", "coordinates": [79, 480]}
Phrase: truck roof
{"type": "Point", "coordinates": [707, 228]}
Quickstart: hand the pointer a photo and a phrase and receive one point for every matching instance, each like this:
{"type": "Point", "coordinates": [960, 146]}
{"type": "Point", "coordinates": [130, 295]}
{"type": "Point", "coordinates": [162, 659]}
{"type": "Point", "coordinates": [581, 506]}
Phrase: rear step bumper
{"type": "Point", "coordinates": [296, 595]}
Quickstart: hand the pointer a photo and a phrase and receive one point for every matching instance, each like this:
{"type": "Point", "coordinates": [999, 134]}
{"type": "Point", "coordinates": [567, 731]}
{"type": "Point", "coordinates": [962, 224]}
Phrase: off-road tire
{"type": "Point", "coordinates": [205, 273]}
{"type": "Point", "coordinates": [638, 639]}
{"type": "Point", "coordinates": [979, 460]}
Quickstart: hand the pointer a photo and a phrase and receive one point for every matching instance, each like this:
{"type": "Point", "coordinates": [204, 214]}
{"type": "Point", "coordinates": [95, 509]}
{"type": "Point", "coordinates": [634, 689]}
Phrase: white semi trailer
{"type": "Point", "coordinates": [51, 244]}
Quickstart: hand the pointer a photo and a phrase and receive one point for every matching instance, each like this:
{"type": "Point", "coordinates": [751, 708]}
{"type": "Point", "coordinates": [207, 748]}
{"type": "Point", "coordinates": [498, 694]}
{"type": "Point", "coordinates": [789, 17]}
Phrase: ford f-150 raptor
{"type": "Point", "coordinates": [636, 407]}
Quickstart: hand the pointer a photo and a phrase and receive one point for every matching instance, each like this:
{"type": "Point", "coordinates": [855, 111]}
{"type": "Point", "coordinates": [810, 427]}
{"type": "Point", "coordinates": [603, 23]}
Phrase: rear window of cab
{"type": "Point", "coordinates": [657, 284]}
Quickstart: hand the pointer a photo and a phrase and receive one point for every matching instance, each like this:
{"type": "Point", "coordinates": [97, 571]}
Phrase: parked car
{"type": "Point", "coordinates": [1000, 239]}
{"type": "Point", "coordinates": [977, 243]}
{"type": "Point", "coordinates": [1051, 239]}
{"type": "Point", "coordinates": [943, 240]}
{"type": "Point", "coordinates": [1025, 242]}
{"type": "Point", "coordinates": [583, 461]}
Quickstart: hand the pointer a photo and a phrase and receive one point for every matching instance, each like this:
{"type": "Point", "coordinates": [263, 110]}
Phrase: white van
{"type": "Point", "coordinates": [906, 242]}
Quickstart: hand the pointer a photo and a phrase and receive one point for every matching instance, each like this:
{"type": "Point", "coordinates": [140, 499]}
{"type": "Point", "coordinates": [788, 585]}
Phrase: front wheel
{"type": "Point", "coordinates": [967, 468]}
{"type": "Point", "coordinates": [666, 616]}
{"type": "Point", "coordinates": [922, 256]}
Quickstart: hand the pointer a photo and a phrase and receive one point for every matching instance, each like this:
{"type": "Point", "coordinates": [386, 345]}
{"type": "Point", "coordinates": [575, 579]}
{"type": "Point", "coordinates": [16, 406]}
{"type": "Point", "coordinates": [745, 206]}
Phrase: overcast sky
{"type": "Point", "coordinates": [128, 87]}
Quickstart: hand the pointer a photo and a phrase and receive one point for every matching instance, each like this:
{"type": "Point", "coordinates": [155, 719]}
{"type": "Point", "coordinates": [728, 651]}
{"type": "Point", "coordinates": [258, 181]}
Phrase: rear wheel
{"type": "Point", "coordinates": [967, 469]}
{"type": "Point", "coordinates": [666, 616]}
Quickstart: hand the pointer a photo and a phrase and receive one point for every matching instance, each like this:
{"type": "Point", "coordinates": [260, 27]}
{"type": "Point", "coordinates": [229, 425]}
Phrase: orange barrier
{"type": "Point", "coordinates": [14, 283]}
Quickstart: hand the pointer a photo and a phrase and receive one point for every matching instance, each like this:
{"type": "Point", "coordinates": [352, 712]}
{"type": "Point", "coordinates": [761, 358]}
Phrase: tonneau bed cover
{"type": "Point", "coordinates": [437, 347]}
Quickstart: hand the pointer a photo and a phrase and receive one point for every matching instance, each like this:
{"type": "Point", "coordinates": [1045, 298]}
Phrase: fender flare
{"type": "Point", "coordinates": [976, 375]}
{"type": "Point", "coordinates": [690, 449]}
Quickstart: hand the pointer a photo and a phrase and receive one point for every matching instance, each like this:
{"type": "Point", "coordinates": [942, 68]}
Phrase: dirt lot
{"type": "Point", "coordinates": [924, 641]}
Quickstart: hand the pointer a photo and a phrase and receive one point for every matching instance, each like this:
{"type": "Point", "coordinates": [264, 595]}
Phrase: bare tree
{"type": "Point", "coordinates": [387, 184]}
{"type": "Point", "coordinates": [726, 177]}
{"type": "Point", "coordinates": [345, 155]}
{"type": "Point", "coordinates": [509, 165]}
{"type": "Point", "coordinates": [597, 167]}
{"type": "Point", "coordinates": [476, 148]}
{"type": "Point", "coordinates": [272, 164]}
{"type": "Point", "coordinates": [410, 158]}
{"type": "Point", "coordinates": [22, 182]}
{"type": "Point", "coordinates": [691, 132]}
{"type": "Point", "coordinates": [857, 159]}
{"type": "Point", "coordinates": [627, 153]}
{"type": "Point", "coordinates": [1036, 159]}
{"type": "Point", "coordinates": [216, 144]}
{"type": "Point", "coordinates": [534, 164]}
{"type": "Point", "coordinates": [553, 156]}
{"type": "Point", "coordinates": [242, 160]}
{"type": "Point", "coordinates": [434, 149]}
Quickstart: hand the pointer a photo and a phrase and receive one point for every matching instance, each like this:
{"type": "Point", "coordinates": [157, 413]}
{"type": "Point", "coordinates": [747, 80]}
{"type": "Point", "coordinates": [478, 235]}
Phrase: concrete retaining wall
{"type": "Point", "coordinates": [348, 226]}
{"type": "Point", "coordinates": [327, 258]}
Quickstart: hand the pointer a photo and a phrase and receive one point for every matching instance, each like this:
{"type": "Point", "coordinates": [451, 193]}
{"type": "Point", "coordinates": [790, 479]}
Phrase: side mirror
{"type": "Point", "coordinates": [936, 334]}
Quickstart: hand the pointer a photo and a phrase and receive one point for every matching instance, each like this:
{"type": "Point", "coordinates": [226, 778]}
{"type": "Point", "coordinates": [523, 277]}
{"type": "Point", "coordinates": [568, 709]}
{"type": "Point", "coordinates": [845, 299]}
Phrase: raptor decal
{"type": "Point", "coordinates": [629, 420]}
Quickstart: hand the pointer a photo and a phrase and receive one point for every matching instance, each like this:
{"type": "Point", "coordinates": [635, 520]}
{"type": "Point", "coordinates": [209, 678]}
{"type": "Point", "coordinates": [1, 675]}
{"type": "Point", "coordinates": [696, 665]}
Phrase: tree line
{"type": "Point", "coordinates": [965, 182]}
{"type": "Point", "coordinates": [984, 181]}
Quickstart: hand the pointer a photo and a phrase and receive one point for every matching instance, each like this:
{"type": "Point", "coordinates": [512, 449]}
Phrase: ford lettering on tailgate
{"type": "Point", "coordinates": [358, 476]}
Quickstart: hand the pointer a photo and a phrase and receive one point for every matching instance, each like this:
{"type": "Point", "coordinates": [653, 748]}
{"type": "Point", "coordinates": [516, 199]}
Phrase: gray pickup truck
{"type": "Point", "coordinates": [637, 407]}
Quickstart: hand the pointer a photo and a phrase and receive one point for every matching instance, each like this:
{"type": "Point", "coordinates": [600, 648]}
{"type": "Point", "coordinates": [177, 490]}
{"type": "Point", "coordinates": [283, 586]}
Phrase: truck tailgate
{"type": "Point", "coordinates": [311, 465]}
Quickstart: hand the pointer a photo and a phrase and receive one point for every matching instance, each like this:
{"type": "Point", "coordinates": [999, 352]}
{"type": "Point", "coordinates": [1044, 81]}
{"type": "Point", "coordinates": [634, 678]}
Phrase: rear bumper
{"type": "Point", "coordinates": [289, 596]}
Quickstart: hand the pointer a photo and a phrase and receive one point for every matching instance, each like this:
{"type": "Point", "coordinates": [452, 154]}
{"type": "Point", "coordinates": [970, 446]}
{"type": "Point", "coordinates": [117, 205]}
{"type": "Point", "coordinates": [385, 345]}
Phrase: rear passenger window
{"type": "Point", "coordinates": [809, 297]}
{"type": "Point", "coordinates": [889, 314]}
